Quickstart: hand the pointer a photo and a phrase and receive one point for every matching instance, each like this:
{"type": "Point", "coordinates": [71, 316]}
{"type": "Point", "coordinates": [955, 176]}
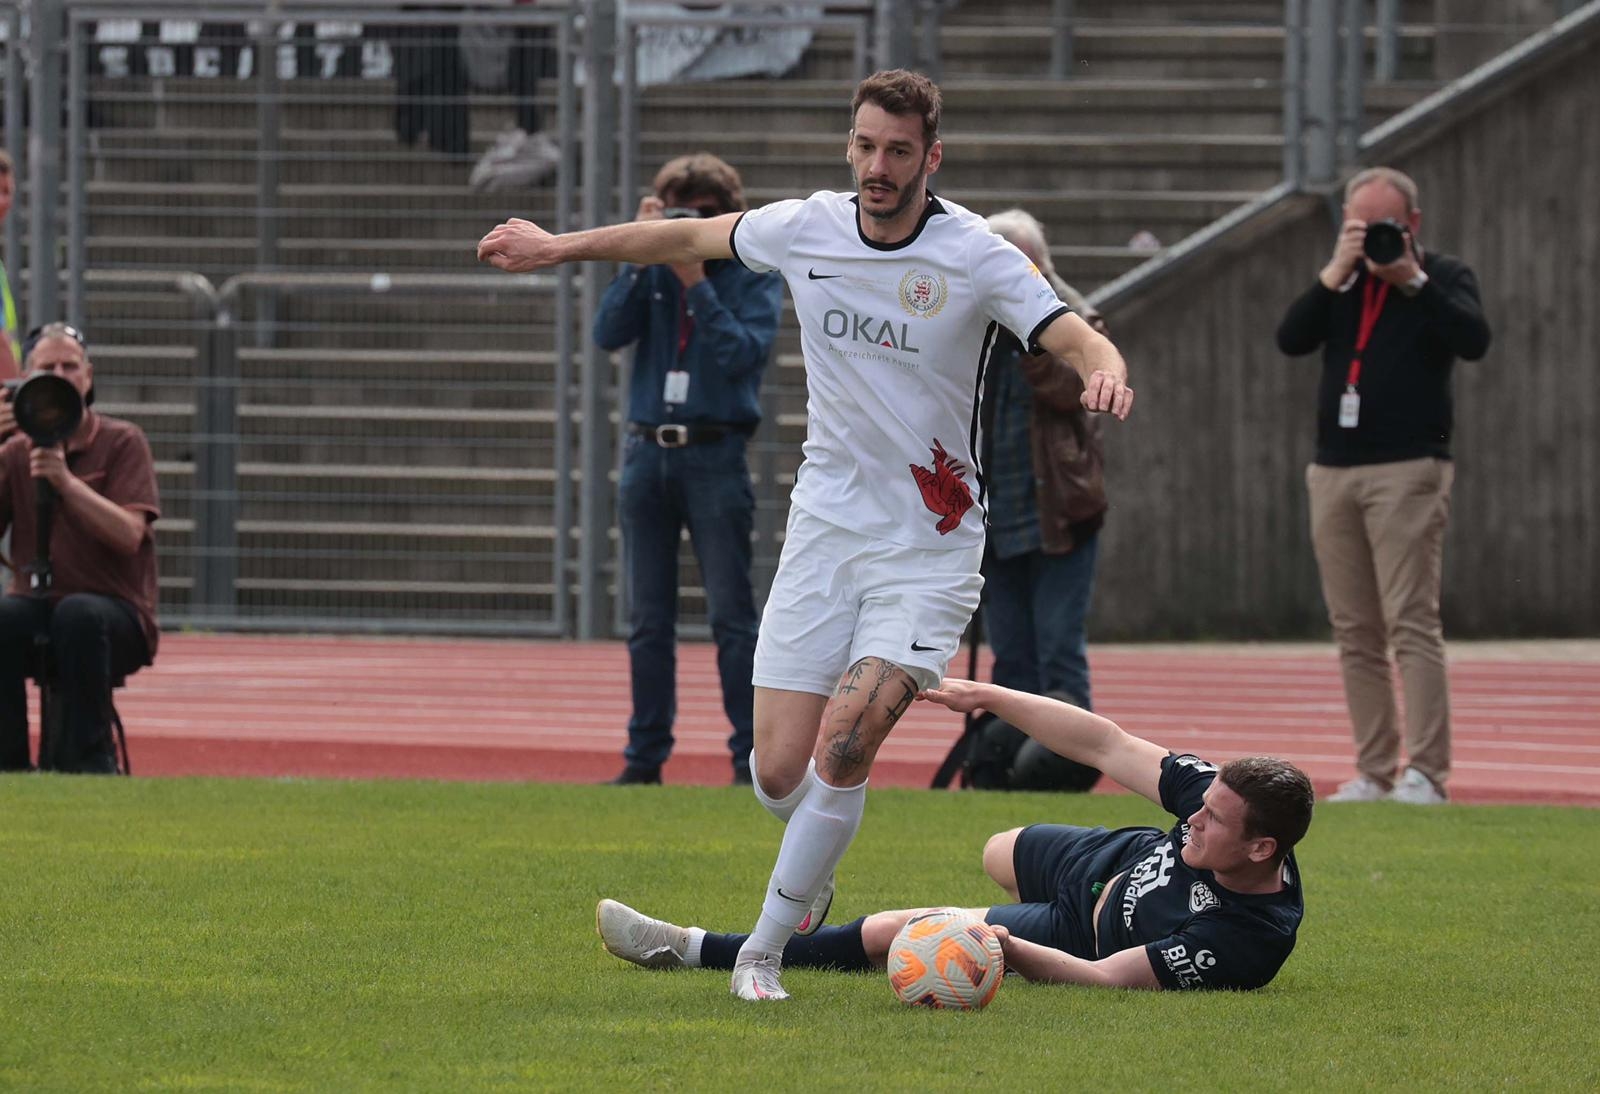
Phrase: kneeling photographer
{"type": "Point", "coordinates": [78, 491]}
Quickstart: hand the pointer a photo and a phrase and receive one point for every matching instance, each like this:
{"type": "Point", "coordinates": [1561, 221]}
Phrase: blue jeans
{"type": "Point", "coordinates": [1035, 608]}
{"type": "Point", "coordinates": [705, 487]}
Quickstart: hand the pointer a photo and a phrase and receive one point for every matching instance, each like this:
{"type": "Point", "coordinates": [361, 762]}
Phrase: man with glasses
{"type": "Point", "coordinates": [702, 333]}
{"type": "Point", "coordinates": [98, 612]}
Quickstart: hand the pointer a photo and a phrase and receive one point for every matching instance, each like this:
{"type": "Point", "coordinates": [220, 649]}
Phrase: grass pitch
{"type": "Point", "coordinates": [281, 935]}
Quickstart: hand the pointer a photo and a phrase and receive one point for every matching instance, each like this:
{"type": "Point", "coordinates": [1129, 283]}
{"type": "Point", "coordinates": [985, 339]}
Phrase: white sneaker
{"type": "Point", "coordinates": [756, 978]}
{"type": "Point", "coordinates": [1415, 788]}
{"type": "Point", "coordinates": [516, 160]}
{"type": "Point", "coordinates": [634, 936]}
{"type": "Point", "coordinates": [819, 909]}
{"type": "Point", "coordinates": [1359, 789]}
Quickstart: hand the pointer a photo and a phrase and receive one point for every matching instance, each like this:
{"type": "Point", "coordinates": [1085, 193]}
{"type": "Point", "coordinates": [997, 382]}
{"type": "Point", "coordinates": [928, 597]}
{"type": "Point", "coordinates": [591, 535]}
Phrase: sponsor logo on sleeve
{"type": "Point", "coordinates": [1188, 969]}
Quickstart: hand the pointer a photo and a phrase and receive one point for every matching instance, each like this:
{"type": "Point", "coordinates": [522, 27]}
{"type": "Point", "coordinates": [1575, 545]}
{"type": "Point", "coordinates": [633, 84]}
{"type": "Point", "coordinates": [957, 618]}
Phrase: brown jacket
{"type": "Point", "coordinates": [1068, 458]}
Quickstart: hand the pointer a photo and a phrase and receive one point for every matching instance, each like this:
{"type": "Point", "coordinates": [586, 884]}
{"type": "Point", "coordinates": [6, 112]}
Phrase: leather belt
{"type": "Point", "coordinates": [673, 435]}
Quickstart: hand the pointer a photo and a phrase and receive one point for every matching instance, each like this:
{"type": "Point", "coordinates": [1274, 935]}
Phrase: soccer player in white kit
{"type": "Point", "coordinates": [899, 295]}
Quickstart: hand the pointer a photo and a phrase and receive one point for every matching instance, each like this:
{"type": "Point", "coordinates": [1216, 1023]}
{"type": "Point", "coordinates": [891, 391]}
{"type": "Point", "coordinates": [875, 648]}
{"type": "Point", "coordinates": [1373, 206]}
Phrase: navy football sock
{"type": "Point", "coordinates": [837, 948]}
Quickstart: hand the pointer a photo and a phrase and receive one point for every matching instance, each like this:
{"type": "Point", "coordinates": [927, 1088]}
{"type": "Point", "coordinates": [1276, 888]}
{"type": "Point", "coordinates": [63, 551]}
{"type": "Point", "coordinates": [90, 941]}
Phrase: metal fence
{"type": "Point", "coordinates": [263, 212]}
{"type": "Point", "coordinates": [355, 425]}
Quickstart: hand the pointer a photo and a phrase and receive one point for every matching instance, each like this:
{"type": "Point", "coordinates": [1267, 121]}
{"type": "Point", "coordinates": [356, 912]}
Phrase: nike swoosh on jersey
{"type": "Point", "coordinates": [815, 276]}
{"type": "Point", "coordinates": [922, 649]}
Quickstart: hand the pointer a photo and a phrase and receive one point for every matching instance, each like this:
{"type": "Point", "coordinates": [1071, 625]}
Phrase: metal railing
{"type": "Point", "coordinates": [324, 488]}
{"type": "Point", "coordinates": [260, 269]}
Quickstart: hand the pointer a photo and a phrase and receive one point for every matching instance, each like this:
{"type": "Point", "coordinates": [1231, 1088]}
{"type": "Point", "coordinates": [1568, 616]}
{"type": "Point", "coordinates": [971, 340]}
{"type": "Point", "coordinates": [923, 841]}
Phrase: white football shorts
{"type": "Point", "coordinates": [839, 597]}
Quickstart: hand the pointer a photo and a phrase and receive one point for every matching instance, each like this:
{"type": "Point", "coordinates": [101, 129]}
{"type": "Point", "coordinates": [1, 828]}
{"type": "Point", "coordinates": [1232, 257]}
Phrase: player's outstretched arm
{"type": "Point", "coordinates": [1128, 968]}
{"type": "Point", "coordinates": [1104, 372]}
{"type": "Point", "coordinates": [1065, 730]}
{"type": "Point", "coordinates": [521, 246]}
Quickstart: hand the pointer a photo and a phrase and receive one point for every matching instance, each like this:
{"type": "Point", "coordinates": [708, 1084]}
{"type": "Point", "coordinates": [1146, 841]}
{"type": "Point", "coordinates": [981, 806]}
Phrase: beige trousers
{"type": "Point", "coordinates": [1378, 531]}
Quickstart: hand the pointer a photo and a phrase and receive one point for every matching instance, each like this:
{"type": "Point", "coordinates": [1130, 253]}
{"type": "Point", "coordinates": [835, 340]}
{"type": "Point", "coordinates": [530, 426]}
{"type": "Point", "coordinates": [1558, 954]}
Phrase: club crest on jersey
{"type": "Point", "coordinates": [943, 491]}
{"type": "Point", "coordinates": [924, 295]}
{"type": "Point", "coordinates": [1201, 897]}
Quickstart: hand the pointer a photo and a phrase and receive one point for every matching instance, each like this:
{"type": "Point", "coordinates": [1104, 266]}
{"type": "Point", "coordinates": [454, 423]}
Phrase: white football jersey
{"type": "Point", "coordinates": [896, 337]}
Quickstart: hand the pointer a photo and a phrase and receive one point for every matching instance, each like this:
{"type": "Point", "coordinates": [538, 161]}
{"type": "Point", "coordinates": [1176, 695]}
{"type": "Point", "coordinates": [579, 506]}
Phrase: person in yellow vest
{"type": "Point", "coordinates": [10, 347]}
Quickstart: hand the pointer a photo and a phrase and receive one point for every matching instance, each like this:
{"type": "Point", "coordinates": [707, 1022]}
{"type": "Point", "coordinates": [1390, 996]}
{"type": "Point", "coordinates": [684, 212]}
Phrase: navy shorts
{"type": "Point", "coordinates": [1057, 868]}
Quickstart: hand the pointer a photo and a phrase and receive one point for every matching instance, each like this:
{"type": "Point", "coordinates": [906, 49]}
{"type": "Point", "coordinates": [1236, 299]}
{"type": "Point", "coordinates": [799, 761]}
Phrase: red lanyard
{"type": "Point", "coordinates": [686, 322]}
{"type": "Point", "coordinates": [1373, 294]}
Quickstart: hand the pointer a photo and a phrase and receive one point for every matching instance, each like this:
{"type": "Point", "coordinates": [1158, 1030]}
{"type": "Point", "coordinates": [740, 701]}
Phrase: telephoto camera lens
{"type": "Point", "coordinates": [48, 408]}
{"type": "Point", "coordinates": [1385, 241]}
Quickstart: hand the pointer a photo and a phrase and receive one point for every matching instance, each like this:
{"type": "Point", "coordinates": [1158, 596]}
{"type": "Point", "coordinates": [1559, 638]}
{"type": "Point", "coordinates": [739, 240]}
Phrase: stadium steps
{"type": "Point", "coordinates": [992, 103]}
{"type": "Point", "coordinates": [367, 421]}
{"type": "Point", "coordinates": [1119, 50]}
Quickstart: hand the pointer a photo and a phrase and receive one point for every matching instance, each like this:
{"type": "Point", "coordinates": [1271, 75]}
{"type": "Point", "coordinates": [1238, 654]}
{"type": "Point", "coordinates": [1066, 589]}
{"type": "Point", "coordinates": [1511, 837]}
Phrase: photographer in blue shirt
{"type": "Point", "coordinates": [702, 335]}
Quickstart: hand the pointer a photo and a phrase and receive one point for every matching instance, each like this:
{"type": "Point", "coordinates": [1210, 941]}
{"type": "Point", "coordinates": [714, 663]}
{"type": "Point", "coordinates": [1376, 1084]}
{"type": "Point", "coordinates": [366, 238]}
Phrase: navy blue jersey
{"type": "Point", "coordinates": [1196, 933]}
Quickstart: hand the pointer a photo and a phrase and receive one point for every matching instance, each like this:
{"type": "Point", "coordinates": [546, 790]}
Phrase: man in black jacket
{"type": "Point", "coordinates": [1391, 320]}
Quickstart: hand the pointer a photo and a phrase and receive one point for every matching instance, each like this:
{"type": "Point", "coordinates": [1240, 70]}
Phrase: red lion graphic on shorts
{"type": "Point", "coordinates": [943, 490]}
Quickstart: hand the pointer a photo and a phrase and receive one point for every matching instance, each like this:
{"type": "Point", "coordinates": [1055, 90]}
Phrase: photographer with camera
{"type": "Point", "coordinates": [703, 334]}
{"type": "Point", "coordinates": [79, 491]}
{"type": "Point", "coordinates": [1391, 320]}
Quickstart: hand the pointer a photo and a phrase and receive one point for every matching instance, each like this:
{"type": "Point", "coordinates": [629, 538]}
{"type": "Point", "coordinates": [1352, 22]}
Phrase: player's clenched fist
{"type": "Point", "coordinates": [518, 246]}
{"type": "Point", "coordinates": [1104, 392]}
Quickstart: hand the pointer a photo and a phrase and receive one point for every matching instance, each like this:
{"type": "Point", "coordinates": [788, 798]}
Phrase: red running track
{"type": "Point", "coordinates": [1527, 718]}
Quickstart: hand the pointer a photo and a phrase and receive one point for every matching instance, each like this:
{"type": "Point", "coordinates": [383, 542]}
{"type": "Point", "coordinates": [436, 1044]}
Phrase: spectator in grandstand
{"type": "Point", "coordinates": [522, 155]}
{"type": "Point", "coordinates": [99, 613]}
{"type": "Point", "coordinates": [1391, 320]}
{"type": "Point", "coordinates": [10, 347]}
{"type": "Point", "coordinates": [703, 334]}
{"type": "Point", "coordinates": [897, 291]}
{"type": "Point", "coordinates": [1213, 902]}
{"type": "Point", "coordinates": [430, 87]}
{"type": "Point", "coordinates": [1047, 501]}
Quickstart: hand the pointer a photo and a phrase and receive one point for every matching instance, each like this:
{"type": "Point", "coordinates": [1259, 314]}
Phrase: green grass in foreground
{"type": "Point", "coordinates": [244, 935]}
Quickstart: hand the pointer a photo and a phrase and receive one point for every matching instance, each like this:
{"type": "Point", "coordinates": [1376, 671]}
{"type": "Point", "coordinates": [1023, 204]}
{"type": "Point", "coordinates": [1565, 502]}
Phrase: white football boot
{"type": "Point", "coordinates": [755, 978]}
{"type": "Point", "coordinates": [634, 936]}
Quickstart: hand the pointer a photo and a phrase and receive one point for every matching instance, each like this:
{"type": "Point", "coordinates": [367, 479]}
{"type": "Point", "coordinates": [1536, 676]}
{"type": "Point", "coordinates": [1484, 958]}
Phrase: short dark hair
{"type": "Point", "coordinates": [1277, 797]}
{"type": "Point", "coordinates": [901, 92]}
{"type": "Point", "coordinates": [701, 175]}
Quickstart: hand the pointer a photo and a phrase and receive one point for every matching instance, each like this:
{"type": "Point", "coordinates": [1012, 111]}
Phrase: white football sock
{"type": "Point", "coordinates": [783, 808]}
{"type": "Point", "coordinates": [691, 953]}
{"type": "Point", "coordinates": [818, 835]}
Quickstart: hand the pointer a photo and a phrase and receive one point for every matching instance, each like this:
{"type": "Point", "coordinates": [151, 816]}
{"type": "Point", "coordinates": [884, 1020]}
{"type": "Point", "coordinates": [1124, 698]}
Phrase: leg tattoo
{"type": "Point", "coordinates": [856, 734]}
